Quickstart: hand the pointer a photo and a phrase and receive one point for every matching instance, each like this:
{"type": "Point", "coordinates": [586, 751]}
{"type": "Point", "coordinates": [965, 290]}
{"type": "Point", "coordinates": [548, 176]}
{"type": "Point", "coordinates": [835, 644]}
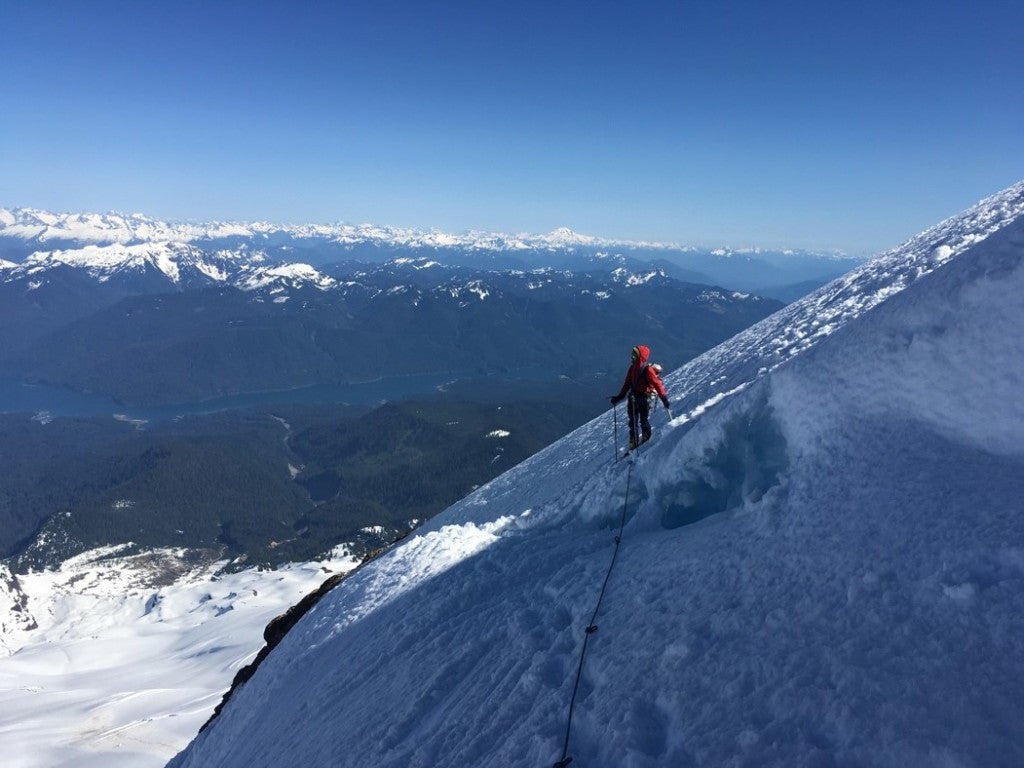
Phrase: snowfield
{"type": "Point", "coordinates": [822, 562]}
{"type": "Point", "coordinates": [129, 654]}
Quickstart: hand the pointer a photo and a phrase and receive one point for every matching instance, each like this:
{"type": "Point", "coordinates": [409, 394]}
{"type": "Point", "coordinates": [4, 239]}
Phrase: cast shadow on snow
{"type": "Point", "coordinates": [690, 471]}
{"type": "Point", "coordinates": [748, 459]}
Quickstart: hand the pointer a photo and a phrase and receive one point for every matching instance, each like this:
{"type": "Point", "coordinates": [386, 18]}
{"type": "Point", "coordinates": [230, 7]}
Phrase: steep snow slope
{"type": "Point", "coordinates": [822, 561]}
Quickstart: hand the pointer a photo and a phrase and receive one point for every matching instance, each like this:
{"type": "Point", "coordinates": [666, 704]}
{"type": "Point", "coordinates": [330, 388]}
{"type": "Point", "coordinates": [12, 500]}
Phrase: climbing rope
{"type": "Point", "coordinates": [592, 627]}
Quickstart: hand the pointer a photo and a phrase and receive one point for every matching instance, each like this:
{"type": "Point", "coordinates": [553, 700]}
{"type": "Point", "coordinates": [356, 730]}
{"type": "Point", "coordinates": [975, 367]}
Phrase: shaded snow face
{"type": "Point", "coordinates": [955, 365]}
{"type": "Point", "coordinates": [735, 462]}
{"type": "Point", "coordinates": [906, 361]}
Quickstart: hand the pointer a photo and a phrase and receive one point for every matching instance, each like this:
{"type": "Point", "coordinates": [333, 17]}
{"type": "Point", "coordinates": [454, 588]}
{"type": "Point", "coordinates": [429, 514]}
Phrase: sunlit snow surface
{"type": "Point", "coordinates": [124, 665]}
{"type": "Point", "coordinates": [822, 565]}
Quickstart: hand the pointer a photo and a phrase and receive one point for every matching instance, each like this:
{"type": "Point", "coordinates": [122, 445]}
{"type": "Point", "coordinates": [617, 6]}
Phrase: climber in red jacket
{"type": "Point", "coordinates": [641, 383]}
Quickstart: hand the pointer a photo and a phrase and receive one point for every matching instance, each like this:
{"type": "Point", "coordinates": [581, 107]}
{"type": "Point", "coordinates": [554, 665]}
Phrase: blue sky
{"type": "Point", "coordinates": [802, 124]}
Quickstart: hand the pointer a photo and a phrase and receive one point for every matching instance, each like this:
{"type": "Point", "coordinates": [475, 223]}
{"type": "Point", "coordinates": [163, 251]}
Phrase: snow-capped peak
{"type": "Point", "coordinates": [563, 236]}
{"type": "Point", "coordinates": [415, 263]}
{"type": "Point", "coordinates": [175, 261]}
{"type": "Point", "coordinates": [285, 275]}
{"type": "Point", "coordinates": [631, 278]}
{"type": "Point", "coordinates": [44, 227]}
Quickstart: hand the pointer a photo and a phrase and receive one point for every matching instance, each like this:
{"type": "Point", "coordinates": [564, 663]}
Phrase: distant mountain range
{"type": "Point", "coordinates": [25, 231]}
{"type": "Point", "coordinates": [150, 312]}
{"type": "Point", "coordinates": [285, 328]}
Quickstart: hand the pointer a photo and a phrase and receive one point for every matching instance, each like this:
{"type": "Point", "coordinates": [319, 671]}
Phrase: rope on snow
{"type": "Point", "coordinates": [592, 627]}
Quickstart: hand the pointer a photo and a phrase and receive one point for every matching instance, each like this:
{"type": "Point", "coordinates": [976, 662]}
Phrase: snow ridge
{"type": "Point", "coordinates": [173, 260]}
{"type": "Point", "coordinates": [177, 263]}
{"type": "Point", "coordinates": [797, 328]}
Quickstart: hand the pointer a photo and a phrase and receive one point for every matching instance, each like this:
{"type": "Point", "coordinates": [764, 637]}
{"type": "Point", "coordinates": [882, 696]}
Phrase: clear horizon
{"type": "Point", "coordinates": [743, 125]}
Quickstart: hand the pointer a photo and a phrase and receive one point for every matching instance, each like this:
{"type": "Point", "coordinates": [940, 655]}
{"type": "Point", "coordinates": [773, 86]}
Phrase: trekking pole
{"type": "Point", "coordinates": [629, 417]}
{"type": "Point", "coordinates": [634, 423]}
{"type": "Point", "coordinates": [615, 428]}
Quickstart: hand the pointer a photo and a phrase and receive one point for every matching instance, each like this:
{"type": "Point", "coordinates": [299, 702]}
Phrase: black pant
{"type": "Point", "coordinates": [639, 410]}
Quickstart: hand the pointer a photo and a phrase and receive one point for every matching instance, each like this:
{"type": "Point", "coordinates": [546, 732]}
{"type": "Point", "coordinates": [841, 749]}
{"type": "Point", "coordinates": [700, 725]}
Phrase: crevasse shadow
{"type": "Point", "coordinates": [741, 461]}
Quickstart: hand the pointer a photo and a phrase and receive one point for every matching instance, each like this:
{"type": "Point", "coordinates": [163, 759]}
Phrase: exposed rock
{"type": "Point", "coordinates": [279, 626]}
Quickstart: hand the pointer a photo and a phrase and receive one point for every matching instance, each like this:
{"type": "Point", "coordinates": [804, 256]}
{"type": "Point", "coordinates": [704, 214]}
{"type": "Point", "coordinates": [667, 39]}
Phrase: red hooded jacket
{"type": "Point", "coordinates": [641, 379]}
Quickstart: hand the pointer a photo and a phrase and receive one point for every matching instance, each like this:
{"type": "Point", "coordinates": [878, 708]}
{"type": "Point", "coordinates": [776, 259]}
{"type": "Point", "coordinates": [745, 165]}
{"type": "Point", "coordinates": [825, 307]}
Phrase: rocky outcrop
{"type": "Point", "coordinates": [276, 630]}
{"type": "Point", "coordinates": [14, 611]}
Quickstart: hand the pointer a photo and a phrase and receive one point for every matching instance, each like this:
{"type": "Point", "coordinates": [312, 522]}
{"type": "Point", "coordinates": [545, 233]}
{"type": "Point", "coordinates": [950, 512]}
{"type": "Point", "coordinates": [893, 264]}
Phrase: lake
{"type": "Point", "coordinates": [44, 400]}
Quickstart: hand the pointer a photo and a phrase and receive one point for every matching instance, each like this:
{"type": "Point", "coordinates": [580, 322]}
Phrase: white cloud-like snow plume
{"type": "Point", "coordinates": [822, 563]}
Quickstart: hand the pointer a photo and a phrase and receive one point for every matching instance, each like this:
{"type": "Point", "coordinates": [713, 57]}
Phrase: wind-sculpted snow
{"type": "Point", "coordinates": [822, 561]}
{"type": "Point", "coordinates": [798, 327]}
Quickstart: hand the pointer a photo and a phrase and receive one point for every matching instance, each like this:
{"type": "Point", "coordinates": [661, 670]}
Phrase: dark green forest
{"type": "Point", "coordinates": [261, 487]}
